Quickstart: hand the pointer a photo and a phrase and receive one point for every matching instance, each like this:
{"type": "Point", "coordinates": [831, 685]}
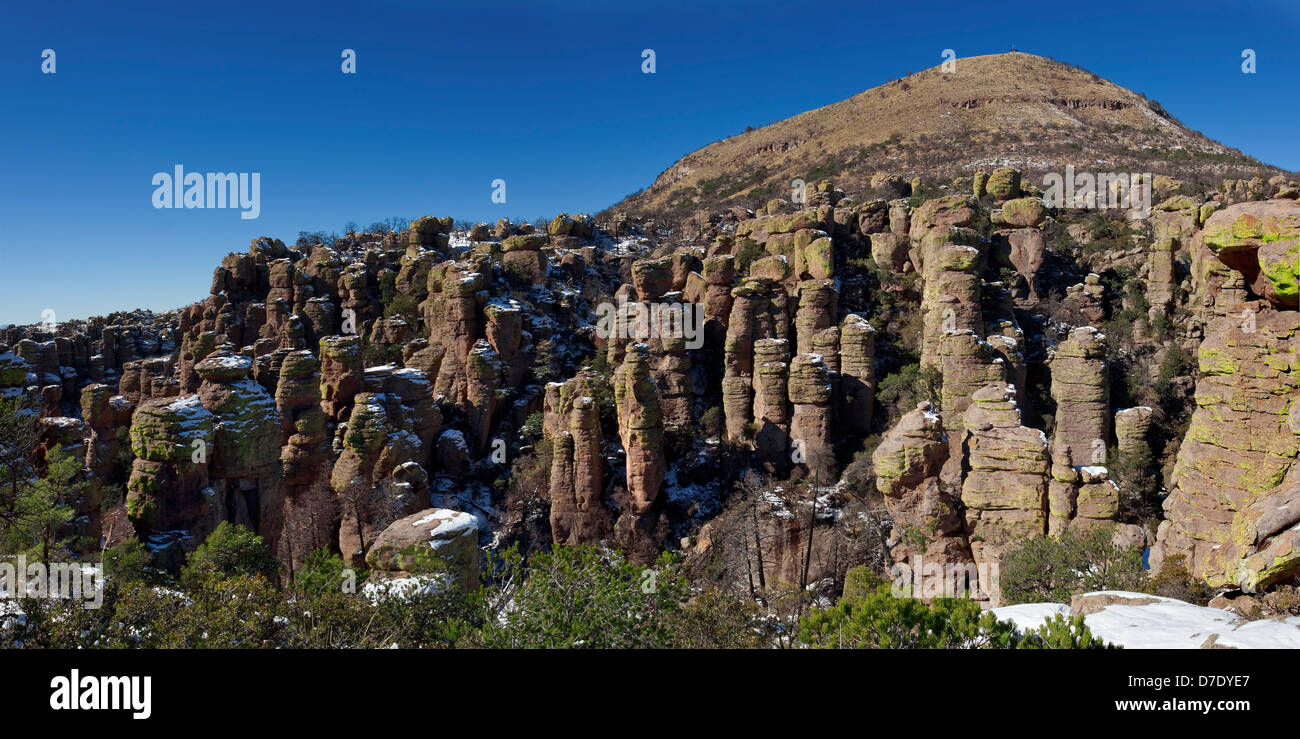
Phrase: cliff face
{"type": "Point", "coordinates": [1232, 514]}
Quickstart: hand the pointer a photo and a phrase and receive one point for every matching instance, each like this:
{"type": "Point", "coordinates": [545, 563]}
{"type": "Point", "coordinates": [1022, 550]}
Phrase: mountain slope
{"type": "Point", "coordinates": [1015, 109]}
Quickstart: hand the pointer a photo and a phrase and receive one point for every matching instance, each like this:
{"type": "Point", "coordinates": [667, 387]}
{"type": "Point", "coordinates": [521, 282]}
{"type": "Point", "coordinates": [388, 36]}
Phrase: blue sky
{"type": "Point", "coordinates": [548, 96]}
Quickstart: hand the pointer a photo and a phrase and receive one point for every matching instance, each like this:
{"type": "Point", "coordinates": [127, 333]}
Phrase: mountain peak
{"type": "Point", "coordinates": [1015, 109]}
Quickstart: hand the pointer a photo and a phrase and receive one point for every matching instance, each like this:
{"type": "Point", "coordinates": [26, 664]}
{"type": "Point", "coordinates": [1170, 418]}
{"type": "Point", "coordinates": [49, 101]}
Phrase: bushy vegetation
{"type": "Point", "coordinates": [881, 620]}
{"type": "Point", "coordinates": [1053, 569]}
{"type": "Point", "coordinates": [901, 391]}
{"type": "Point", "coordinates": [749, 252]}
{"type": "Point", "coordinates": [1175, 581]}
{"type": "Point", "coordinates": [404, 307]}
{"type": "Point", "coordinates": [227, 597]}
{"type": "Point", "coordinates": [374, 355]}
{"type": "Point", "coordinates": [579, 597]}
{"type": "Point", "coordinates": [572, 597]}
{"type": "Point", "coordinates": [229, 551]}
{"type": "Point", "coordinates": [1134, 471]}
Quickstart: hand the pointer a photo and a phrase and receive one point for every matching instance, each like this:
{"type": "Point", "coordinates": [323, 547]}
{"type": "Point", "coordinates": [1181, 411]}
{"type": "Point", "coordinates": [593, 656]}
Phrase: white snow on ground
{"type": "Point", "coordinates": [403, 588]}
{"type": "Point", "coordinates": [1165, 623]}
{"type": "Point", "coordinates": [1029, 616]}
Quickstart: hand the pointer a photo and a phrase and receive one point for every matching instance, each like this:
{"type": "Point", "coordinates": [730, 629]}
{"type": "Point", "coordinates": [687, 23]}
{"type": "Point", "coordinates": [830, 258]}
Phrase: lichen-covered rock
{"type": "Point", "coordinates": [774, 268]}
{"type": "Point", "coordinates": [193, 350]}
{"type": "Point", "coordinates": [102, 446]}
{"type": "Point", "coordinates": [772, 412]}
{"type": "Point", "coordinates": [524, 242]}
{"type": "Point", "coordinates": [391, 331]}
{"type": "Point", "coordinates": [303, 438]}
{"type": "Point", "coordinates": [817, 309]}
{"type": "Point", "coordinates": [969, 363]}
{"type": "Point", "coordinates": [925, 513]}
{"type": "Point", "coordinates": [1237, 460]}
{"type": "Point", "coordinates": [1174, 224]}
{"type": "Point", "coordinates": [13, 371]}
{"type": "Point", "coordinates": [458, 314]}
{"type": "Point", "coordinates": [889, 250]}
{"type": "Point", "coordinates": [753, 317]}
{"type": "Point", "coordinates": [529, 267]}
{"type": "Point", "coordinates": [504, 332]}
{"type": "Point", "coordinates": [652, 278]}
{"type": "Point", "coordinates": [1131, 428]}
{"type": "Point", "coordinates": [1260, 240]}
{"type": "Point", "coordinates": [172, 441]}
{"type": "Point", "coordinates": [671, 365]}
{"type": "Point", "coordinates": [817, 259]}
{"type": "Point", "coordinates": [1021, 212]}
{"type": "Point", "coordinates": [1003, 183]}
{"type": "Point", "coordinates": [482, 371]}
{"type": "Point", "coordinates": [247, 433]}
{"type": "Point", "coordinates": [1080, 386]}
{"type": "Point", "coordinates": [430, 232]}
{"type": "Point", "coordinates": [952, 260]}
{"type": "Point", "coordinates": [1005, 491]}
{"type": "Point", "coordinates": [719, 273]}
{"type": "Point", "coordinates": [873, 217]}
{"type": "Point", "coordinates": [737, 402]}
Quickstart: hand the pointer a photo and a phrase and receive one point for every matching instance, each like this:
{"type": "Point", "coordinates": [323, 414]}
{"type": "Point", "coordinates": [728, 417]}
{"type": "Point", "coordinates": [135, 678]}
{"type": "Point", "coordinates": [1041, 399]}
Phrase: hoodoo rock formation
{"type": "Point", "coordinates": [781, 390]}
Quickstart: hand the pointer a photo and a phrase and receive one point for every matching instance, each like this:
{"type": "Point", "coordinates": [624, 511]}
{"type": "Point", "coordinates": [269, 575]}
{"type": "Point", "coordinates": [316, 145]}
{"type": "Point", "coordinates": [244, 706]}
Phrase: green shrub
{"type": "Point", "coordinates": [860, 582]}
{"type": "Point", "coordinates": [127, 562]}
{"type": "Point", "coordinates": [1175, 581]}
{"type": "Point", "coordinates": [901, 391]}
{"type": "Point", "coordinates": [581, 597]}
{"type": "Point", "coordinates": [881, 620]}
{"type": "Point", "coordinates": [718, 620]}
{"type": "Point", "coordinates": [749, 252]}
{"type": "Point", "coordinates": [1060, 632]}
{"type": "Point", "coordinates": [532, 428]}
{"type": "Point", "coordinates": [1139, 487]}
{"type": "Point", "coordinates": [374, 355]}
{"type": "Point", "coordinates": [1052, 569]}
{"type": "Point", "coordinates": [321, 572]}
{"type": "Point", "coordinates": [405, 307]}
{"type": "Point", "coordinates": [712, 422]}
{"type": "Point", "coordinates": [231, 550]}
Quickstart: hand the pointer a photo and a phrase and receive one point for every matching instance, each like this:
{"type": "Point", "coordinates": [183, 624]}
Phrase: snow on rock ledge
{"type": "Point", "coordinates": [1143, 621]}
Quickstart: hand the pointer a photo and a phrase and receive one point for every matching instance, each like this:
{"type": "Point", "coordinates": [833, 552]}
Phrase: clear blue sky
{"type": "Point", "coordinates": [449, 96]}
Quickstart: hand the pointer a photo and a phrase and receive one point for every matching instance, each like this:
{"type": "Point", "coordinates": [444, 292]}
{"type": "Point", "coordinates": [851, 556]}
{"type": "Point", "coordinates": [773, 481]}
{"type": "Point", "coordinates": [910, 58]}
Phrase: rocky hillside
{"type": "Point", "coordinates": [778, 395]}
{"type": "Point", "coordinates": [1010, 109]}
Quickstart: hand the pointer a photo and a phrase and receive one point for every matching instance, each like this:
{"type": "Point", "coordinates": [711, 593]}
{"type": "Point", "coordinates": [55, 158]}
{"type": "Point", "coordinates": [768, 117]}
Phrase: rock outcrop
{"type": "Point", "coordinates": [1005, 491]}
{"type": "Point", "coordinates": [434, 541]}
{"type": "Point", "coordinates": [1080, 489]}
{"type": "Point", "coordinates": [1236, 466]}
{"type": "Point", "coordinates": [640, 425]}
{"type": "Point", "coordinates": [577, 480]}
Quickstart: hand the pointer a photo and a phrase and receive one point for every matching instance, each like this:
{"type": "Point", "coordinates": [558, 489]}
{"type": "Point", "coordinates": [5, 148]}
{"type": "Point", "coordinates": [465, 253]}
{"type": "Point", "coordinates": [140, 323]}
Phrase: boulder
{"type": "Point", "coordinates": [435, 541]}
